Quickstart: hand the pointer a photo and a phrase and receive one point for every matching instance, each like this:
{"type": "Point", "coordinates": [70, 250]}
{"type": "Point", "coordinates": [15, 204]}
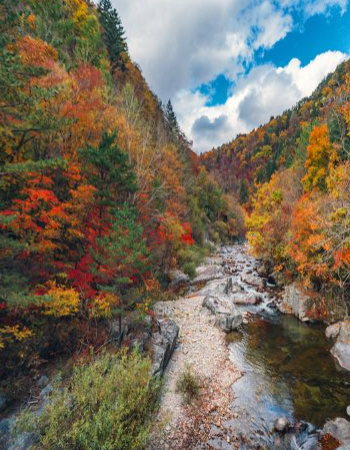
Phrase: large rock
{"type": "Point", "coordinates": [297, 301]}
{"type": "Point", "coordinates": [164, 341]}
{"type": "Point", "coordinates": [178, 280]}
{"type": "Point", "coordinates": [253, 280]}
{"type": "Point", "coordinates": [341, 349]}
{"type": "Point", "coordinates": [282, 424]}
{"type": "Point", "coordinates": [231, 322]}
{"type": "Point", "coordinates": [338, 428]}
{"type": "Point", "coordinates": [228, 318]}
{"type": "Point", "coordinates": [214, 287]}
{"type": "Point", "coordinates": [332, 331]}
{"type": "Point", "coordinates": [246, 299]}
{"type": "Point", "coordinates": [207, 273]}
{"type": "Point", "coordinates": [218, 304]}
{"type": "Point", "coordinates": [233, 287]}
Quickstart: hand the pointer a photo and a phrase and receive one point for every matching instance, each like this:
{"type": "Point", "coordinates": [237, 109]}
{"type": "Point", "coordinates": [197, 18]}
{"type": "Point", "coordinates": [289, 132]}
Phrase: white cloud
{"type": "Point", "coordinates": [181, 44]}
{"type": "Point", "coordinates": [185, 43]}
{"type": "Point", "coordinates": [266, 91]}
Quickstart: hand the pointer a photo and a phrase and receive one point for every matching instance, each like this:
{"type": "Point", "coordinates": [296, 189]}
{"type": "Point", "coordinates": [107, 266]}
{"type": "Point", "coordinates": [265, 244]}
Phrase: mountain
{"type": "Point", "coordinates": [293, 175]}
{"type": "Point", "coordinates": [251, 159]}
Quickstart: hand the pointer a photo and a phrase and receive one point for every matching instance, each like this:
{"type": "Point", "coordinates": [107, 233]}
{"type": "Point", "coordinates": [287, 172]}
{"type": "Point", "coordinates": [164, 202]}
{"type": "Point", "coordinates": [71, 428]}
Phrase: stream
{"type": "Point", "coordinates": [288, 371]}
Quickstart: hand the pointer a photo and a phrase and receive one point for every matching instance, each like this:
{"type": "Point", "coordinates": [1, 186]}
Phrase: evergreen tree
{"type": "Point", "coordinates": [171, 121]}
{"type": "Point", "coordinates": [108, 170]}
{"type": "Point", "coordinates": [113, 34]}
{"type": "Point", "coordinates": [122, 259]}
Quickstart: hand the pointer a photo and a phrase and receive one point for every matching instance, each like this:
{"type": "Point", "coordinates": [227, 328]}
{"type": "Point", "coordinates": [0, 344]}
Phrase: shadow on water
{"type": "Point", "coordinates": [290, 372]}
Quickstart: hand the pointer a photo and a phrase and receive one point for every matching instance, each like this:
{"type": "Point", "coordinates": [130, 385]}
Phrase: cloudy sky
{"type": "Point", "coordinates": [229, 65]}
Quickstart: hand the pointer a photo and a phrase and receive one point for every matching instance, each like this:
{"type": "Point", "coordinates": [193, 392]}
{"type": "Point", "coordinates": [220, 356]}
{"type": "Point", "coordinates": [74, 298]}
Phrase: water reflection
{"type": "Point", "coordinates": [288, 372]}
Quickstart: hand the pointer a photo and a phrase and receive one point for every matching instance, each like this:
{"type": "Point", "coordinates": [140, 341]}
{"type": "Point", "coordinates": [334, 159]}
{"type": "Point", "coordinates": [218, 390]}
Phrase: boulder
{"type": "Point", "coordinates": [246, 299]}
{"type": "Point", "coordinates": [163, 344]}
{"type": "Point", "coordinates": [218, 304]}
{"type": "Point", "coordinates": [229, 323]}
{"type": "Point", "coordinates": [228, 318]}
{"type": "Point", "coordinates": [47, 391]}
{"type": "Point", "coordinates": [214, 287]}
{"type": "Point", "coordinates": [282, 424]}
{"type": "Point", "coordinates": [233, 288]}
{"type": "Point", "coordinates": [43, 381]}
{"type": "Point", "coordinates": [332, 331]}
{"type": "Point", "coordinates": [207, 273]}
{"type": "Point", "coordinates": [298, 301]}
{"type": "Point", "coordinates": [341, 349]}
{"type": "Point", "coordinates": [253, 280]}
{"type": "Point", "coordinates": [178, 279]}
{"type": "Point", "coordinates": [338, 428]}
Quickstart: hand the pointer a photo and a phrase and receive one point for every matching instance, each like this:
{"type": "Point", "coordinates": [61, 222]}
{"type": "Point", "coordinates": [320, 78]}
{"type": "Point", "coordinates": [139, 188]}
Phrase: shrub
{"type": "Point", "coordinates": [189, 269]}
{"type": "Point", "coordinates": [109, 404]}
{"type": "Point", "coordinates": [189, 385]}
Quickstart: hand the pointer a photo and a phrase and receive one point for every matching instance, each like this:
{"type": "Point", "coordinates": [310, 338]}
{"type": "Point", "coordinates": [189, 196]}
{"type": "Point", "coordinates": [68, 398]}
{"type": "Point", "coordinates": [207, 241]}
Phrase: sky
{"type": "Point", "coordinates": [229, 65]}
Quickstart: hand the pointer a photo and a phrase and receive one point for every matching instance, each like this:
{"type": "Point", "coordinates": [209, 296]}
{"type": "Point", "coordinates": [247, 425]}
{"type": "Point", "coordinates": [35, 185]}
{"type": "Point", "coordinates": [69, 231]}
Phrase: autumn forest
{"type": "Point", "coordinates": [108, 215]}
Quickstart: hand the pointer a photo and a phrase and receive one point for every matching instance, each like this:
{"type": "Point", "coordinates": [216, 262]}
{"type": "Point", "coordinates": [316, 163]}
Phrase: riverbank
{"type": "Point", "coordinates": [253, 376]}
{"type": "Point", "coordinates": [202, 347]}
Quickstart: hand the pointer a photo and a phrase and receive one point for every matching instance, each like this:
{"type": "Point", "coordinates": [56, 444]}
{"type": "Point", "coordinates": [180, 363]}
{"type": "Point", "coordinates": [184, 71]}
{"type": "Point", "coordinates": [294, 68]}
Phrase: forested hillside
{"type": "Point", "coordinates": [293, 176]}
{"type": "Point", "coordinates": [100, 193]}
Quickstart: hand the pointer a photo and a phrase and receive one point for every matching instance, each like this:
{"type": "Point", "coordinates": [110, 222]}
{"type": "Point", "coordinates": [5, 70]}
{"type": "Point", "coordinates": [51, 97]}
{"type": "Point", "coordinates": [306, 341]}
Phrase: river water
{"type": "Point", "coordinates": [288, 371]}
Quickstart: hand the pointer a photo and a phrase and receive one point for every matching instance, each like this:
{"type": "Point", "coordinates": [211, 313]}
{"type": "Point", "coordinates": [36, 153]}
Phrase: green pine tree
{"type": "Point", "coordinates": [113, 34]}
{"type": "Point", "coordinates": [122, 259]}
{"type": "Point", "coordinates": [108, 170]}
{"type": "Point", "coordinates": [171, 121]}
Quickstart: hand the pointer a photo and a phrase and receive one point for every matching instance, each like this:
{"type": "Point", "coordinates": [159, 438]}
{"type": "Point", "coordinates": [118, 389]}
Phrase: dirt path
{"type": "Point", "coordinates": [202, 346]}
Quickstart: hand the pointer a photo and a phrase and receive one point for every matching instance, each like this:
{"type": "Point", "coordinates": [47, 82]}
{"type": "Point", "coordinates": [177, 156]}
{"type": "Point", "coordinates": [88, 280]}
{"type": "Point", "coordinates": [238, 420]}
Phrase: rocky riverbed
{"type": "Point", "coordinates": [270, 381]}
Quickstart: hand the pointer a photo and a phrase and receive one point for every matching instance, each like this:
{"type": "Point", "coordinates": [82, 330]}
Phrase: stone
{"type": "Point", "coordinates": [332, 331]}
{"type": "Point", "coordinates": [219, 304]}
{"type": "Point", "coordinates": [163, 345]}
{"type": "Point", "coordinates": [228, 318]}
{"type": "Point", "coordinates": [298, 302]}
{"type": "Point", "coordinates": [341, 349]}
{"type": "Point", "coordinates": [253, 280]}
{"type": "Point", "coordinates": [43, 381]}
{"type": "Point", "coordinates": [246, 299]}
{"type": "Point", "coordinates": [208, 273]}
{"type": "Point", "coordinates": [282, 424]}
{"type": "Point", "coordinates": [214, 287]}
{"type": "Point", "coordinates": [229, 323]}
{"type": "Point", "coordinates": [178, 279]}
{"type": "Point", "coordinates": [47, 391]}
{"type": "Point", "coordinates": [338, 428]}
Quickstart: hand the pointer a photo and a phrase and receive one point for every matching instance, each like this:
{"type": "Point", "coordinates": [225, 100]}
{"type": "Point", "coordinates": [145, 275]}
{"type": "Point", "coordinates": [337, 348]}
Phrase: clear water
{"type": "Point", "coordinates": [288, 371]}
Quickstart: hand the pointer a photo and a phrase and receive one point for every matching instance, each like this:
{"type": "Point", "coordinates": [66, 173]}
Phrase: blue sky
{"type": "Point", "coordinates": [308, 39]}
{"type": "Point", "coordinates": [228, 65]}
